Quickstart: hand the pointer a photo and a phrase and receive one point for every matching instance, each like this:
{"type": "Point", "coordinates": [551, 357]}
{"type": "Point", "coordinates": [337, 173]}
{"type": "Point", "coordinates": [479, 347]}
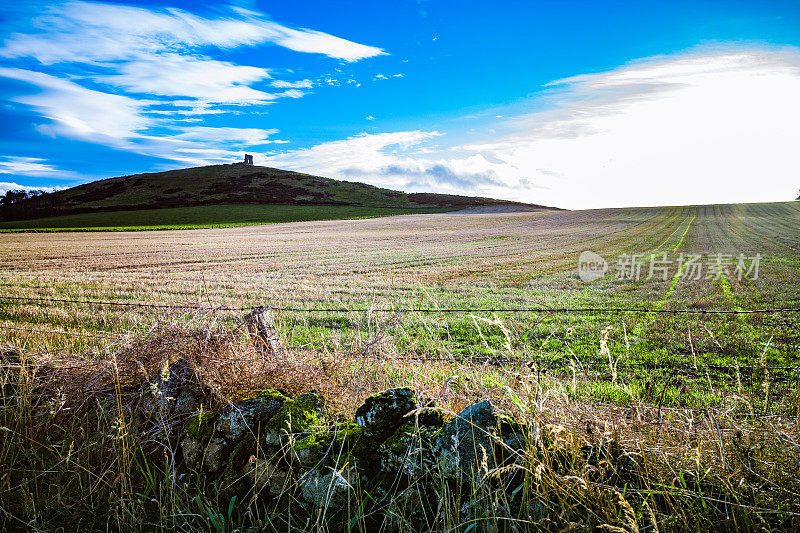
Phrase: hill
{"type": "Point", "coordinates": [218, 185]}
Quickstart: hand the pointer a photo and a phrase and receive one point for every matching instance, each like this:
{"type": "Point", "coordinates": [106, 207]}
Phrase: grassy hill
{"type": "Point", "coordinates": [219, 195]}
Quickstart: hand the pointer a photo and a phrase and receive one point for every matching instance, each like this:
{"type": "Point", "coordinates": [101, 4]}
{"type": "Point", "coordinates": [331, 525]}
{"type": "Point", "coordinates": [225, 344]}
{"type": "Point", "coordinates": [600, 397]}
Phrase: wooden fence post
{"type": "Point", "coordinates": [263, 332]}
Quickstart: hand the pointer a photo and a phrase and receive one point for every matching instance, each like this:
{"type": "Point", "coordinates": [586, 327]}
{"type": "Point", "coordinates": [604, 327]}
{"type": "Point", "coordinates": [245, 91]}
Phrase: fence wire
{"type": "Point", "coordinates": [537, 309]}
{"type": "Point", "coordinates": [770, 382]}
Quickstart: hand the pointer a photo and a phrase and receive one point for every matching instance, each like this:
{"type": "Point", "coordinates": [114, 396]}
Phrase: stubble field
{"type": "Point", "coordinates": [384, 267]}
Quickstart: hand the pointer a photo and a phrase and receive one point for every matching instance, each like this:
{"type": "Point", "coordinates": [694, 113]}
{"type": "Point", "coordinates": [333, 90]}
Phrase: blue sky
{"type": "Point", "coordinates": [574, 104]}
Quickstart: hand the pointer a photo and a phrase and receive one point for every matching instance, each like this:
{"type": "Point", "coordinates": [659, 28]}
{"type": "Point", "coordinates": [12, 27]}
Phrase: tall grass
{"type": "Point", "coordinates": [77, 451]}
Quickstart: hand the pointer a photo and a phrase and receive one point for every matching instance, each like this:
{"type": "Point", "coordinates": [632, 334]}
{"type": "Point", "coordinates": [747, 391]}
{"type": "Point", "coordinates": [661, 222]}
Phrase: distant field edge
{"type": "Point", "coordinates": [204, 217]}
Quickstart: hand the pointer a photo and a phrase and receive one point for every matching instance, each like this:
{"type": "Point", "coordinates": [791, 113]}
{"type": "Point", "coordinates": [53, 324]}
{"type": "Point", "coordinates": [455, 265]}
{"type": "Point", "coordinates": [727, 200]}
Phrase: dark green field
{"type": "Point", "coordinates": [206, 216]}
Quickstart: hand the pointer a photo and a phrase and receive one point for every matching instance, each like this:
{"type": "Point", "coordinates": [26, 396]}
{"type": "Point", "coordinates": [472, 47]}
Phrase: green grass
{"type": "Point", "coordinates": [198, 217]}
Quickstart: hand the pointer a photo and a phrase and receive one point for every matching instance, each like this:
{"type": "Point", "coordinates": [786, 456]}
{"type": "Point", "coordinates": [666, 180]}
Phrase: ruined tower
{"type": "Point", "coordinates": [248, 159]}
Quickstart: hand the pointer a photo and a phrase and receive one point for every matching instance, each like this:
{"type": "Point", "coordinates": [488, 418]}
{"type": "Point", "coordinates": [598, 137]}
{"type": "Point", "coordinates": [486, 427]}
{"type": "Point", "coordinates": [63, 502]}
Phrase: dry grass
{"type": "Point", "coordinates": [72, 428]}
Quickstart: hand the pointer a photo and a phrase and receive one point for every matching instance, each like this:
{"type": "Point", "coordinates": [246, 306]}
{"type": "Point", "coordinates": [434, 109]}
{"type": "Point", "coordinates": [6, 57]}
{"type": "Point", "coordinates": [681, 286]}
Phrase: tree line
{"type": "Point", "coordinates": [20, 204]}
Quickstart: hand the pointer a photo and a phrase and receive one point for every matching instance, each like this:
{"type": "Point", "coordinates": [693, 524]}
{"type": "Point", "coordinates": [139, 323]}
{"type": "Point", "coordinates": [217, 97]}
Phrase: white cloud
{"type": "Point", "coordinates": [6, 186]}
{"type": "Point", "coordinates": [235, 136]}
{"type": "Point", "coordinates": [80, 112]}
{"type": "Point", "coordinates": [154, 54]}
{"type": "Point", "coordinates": [321, 43]}
{"type": "Point", "coordinates": [291, 93]}
{"type": "Point", "coordinates": [381, 76]}
{"type": "Point", "coordinates": [30, 166]}
{"type": "Point", "coordinates": [386, 160]}
{"type": "Point", "coordinates": [703, 127]}
{"type": "Point", "coordinates": [204, 79]}
{"type": "Point", "coordinates": [301, 84]}
{"type": "Point", "coordinates": [138, 76]}
{"type": "Point", "coordinates": [359, 157]}
{"type": "Point", "coordinates": [33, 167]}
{"type": "Point", "coordinates": [122, 122]}
{"type": "Point", "coordinates": [89, 32]}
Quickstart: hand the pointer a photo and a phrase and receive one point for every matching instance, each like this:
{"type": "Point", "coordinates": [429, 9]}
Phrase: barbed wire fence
{"type": "Point", "coordinates": [770, 380]}
{"type": "Point", "coordinates": [533, 309]}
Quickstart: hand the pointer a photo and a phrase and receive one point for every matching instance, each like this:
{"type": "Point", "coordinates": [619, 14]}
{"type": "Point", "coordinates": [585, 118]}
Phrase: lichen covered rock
{"type": "Point", "coordinates": [276, 446]}
{"type": "Point", "coordinates": [266, 475]}
{"type": "Point", "coordinates": [245, 416]}
{"type": "Point", "coordinates": [345, 442]}
{"type": "Point", "coordinates": [297, 416]}
{"type": "Point", "coordinates": [328, 488]}
{"type": "Point", "coordinates": [383, 413]}
{"type": "Point", "coordinates": [410, 451]}
{"type": "Point", "coordinates": [198, 431]}
{"type": "Point", "coordinates": [313, 448]}
{"type": "Point", "coordinates": [233, 477]}
{"type": "Point", "coordinates": [477, 440]}
{"type": "Point", "coordinates": [215, 456]}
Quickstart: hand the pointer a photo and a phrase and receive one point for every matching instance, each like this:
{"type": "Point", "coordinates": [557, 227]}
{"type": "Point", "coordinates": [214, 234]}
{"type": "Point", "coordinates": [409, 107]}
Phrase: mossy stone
{"type": "Point", "coordinates": [397, 444]}
{"type": "Point", "coordinates": [271, 394]}
{"type": "Point", "coordinates": [382, 413]}
{"type": "Point", "coordinates": [432, 417]}
{"type": "Point", "coordinates": [410, 451]}
{"type": "Point", "coordinates": [233, 477]}
{"type": "Point", "coordinates": [313, 448]}
{"type": "Point", "coordinates": [342, 443]}
{"type": "Point", "coordinates": [245, 416]}
{"type": "Point", "coordinates": [354, 440]}
{"type": "Point", "coordinates": [298, 415]}
{"type": "Point", "coordinates": [328, 489]}
{"type": "Point", "coordinates": [197, 433]}
{"type": "Point", "coordinates": [200, 427]}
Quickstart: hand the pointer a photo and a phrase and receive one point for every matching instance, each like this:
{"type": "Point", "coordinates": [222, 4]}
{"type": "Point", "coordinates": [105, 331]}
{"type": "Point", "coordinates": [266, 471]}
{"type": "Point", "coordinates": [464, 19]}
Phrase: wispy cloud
{"type": "Point", "coordinates": [302, 84]}
{"type": "Point", "coordinates": [125, 123]}
{"type": "Point", "coordinates": [160, 52]}
{"type": "Point", "coordinates": [33, 167]}
{"type": "Point", "coordinates": [75, 111]}
{"type": "Point", "coordinates": [321, 43]}
{"type": "Point", "coordinates": [30, 166]}
{"type": "Point", "coordinates": [380, 76]}
{"type": "Point", "coordinates": [90, 32]}
{"type": "Point", "coordinates": [137, 76]}
{"type": "Point", "coordinates": [206, 80]}
{"type": "Point", "coordinates": [241, 136]}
